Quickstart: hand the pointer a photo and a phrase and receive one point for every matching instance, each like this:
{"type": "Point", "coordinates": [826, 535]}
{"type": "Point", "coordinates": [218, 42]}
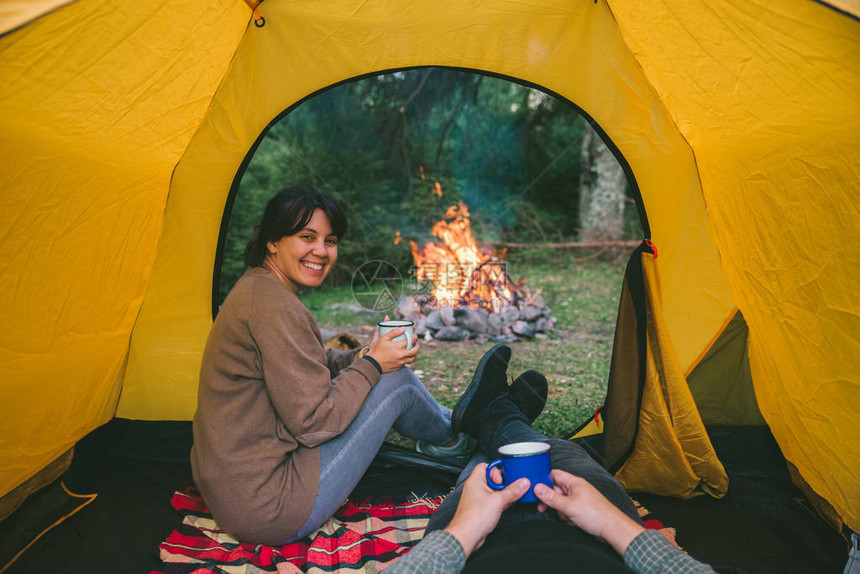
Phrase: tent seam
{"type": "Point", "coordinates": [713, 341]}
{"type": "Point", "coordinates": [89, 497]}
{"type": "Point", "coordinates": [672, 119]}
{"type": "Point", "coordinates": [34, 19]}
{"type": "Point", "coordinates": [224, 75]}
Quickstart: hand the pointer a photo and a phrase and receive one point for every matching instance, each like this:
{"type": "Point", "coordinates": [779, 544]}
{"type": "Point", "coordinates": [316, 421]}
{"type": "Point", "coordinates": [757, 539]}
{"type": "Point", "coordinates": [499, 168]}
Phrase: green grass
{"type": "Point", "coordinates": [335, 308]}
{"type": "Point", "coordinates": [582, 295]}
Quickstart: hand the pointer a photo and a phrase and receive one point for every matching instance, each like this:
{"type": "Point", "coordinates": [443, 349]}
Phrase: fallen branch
{"type": "Point", "coordinates": [572, 245]}
{"type": "Point", "coordinates": [532, 298]}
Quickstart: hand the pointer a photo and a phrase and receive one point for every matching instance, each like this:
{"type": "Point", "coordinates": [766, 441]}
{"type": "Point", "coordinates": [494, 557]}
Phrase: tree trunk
{"type": "Point", "coordinates": [602, 184]}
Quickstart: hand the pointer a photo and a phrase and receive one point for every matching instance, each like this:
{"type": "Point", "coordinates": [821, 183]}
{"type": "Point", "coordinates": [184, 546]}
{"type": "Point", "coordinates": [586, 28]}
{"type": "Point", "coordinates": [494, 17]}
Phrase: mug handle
{"type": "Point", "coordinates": [490, 482]}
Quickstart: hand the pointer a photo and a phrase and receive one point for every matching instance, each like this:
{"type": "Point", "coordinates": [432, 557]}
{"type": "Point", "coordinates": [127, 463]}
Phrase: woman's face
{"type": "Point", "coordinates": [306, 257]}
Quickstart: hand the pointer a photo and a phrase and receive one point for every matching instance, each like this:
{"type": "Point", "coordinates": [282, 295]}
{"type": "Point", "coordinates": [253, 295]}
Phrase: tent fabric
{"type": "Point", "coordinates": [45, 511]}
{"type": "Point", "coordinates": [627, 371]}
{"type": "Point", "coordinates": [559, 45]}
{"type": "Point", "coordinates": [123, 127]}
{"type": "Point", "coordinates": [98, 104]}
{"type": "Point", "coordinates": [850, 7]}
{"type": "Point", "coordinates": [780, 187]}
{"type": "Point", "coordinates": [13, 15]}
{"type": "Point", "coordinates": [721, 383]}
{"type": "Point", "coordinates": [46, 476]}
{"type": "Point", "coordinates": [668, 452]}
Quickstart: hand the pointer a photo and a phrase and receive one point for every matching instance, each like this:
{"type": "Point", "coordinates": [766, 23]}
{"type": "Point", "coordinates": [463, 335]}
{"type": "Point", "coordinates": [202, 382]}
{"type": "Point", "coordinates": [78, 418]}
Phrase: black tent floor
{"type": "Point", "coordinates": [762, 526]}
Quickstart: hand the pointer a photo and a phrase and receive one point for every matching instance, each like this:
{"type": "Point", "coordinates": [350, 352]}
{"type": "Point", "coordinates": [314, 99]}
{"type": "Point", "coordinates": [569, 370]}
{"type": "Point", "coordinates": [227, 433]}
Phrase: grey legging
{"type": "Point", "coordinates": [398, 401]}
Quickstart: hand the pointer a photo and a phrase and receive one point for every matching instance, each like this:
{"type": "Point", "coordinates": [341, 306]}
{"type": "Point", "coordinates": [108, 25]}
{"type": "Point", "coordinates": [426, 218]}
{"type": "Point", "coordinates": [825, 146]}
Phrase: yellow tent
{"type": "Point", "coordinates": [123, 125]}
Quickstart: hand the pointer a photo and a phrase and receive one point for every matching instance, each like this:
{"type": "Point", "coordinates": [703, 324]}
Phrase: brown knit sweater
{"type": "Point", "coordinates": [269, 395]}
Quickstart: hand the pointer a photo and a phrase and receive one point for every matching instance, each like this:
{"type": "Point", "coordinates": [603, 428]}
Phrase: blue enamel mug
{"type": "Point", "coordinates": [522, 460]}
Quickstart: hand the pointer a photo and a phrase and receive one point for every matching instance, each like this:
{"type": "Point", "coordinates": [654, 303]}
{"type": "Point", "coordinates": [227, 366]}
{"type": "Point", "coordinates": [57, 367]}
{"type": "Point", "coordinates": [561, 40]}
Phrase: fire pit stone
{"type": "Point", "coordinates": [545, 324]}
{"type": "Point", "coordinates": [524, 328]}
{"type": "Point", "coordinates": [421, 326]}
{"type": "Point", "coordinates": [472, 320]}
{"type": "Point", "coordinates": [451, 333]}
{"type": "Point", "coordinates": [407, 306]}
{"type": "Point", "coordinates": [531, 313]}
{"type": "Point", "coordinates": [434, 321]}
{"type": "Point", "coordinates": [447, 314]}
{"type": "Point", "coordinates": [509, 325]}
{"type": "Point", "coordinates": [510, 315]}
{"type": "Point", "coordinates": [494, 325]}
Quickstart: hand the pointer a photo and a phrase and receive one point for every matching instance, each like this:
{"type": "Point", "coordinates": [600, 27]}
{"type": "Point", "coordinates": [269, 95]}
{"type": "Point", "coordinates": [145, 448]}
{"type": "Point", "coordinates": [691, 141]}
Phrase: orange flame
{"type": "Point", "coordinates": [460, 271]}
{"type": "Point", "coordinates": [437, 190]}
{"type": "Point", "coordinates": [397, 238]}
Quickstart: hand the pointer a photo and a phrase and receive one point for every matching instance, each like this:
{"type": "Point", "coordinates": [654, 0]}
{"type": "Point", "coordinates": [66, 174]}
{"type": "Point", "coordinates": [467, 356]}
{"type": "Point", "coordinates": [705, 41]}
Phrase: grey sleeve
{"type": "Point", "coordinates": [652, 553]}
{"type": "Point", "coordinates": [438, 553]}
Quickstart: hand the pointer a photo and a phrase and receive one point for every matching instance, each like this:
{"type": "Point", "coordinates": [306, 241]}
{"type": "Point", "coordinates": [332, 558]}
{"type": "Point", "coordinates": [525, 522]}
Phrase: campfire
{"type": "Point", "coordinates": [463, 289]}
{"type": "Point", "coordinates": [459, 273]}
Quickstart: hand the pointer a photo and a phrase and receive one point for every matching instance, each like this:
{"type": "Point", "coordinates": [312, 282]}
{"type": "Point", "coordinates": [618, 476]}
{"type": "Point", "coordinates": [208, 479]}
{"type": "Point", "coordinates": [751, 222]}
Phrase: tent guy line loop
{"type": "Point", "coordinates": [651, 245]}
{"type": "Point", "coordinates": [259, 21]}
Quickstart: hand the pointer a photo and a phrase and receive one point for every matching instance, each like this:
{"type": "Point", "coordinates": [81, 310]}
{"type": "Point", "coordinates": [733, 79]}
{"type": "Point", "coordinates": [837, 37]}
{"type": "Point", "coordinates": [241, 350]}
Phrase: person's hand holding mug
{"type": "Point", "coordinates": [390, 354]}
{"type": "Point", "coordinates": [481, 507]}
{"type": "Point", "coordinates": [580, 504]}
{"type": "Point", "coordinates": [529, 460]}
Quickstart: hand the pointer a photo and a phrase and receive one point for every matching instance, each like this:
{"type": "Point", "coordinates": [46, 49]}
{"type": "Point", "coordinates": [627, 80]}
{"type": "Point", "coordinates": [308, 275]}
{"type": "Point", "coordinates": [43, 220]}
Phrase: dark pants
{"type": "Point", "coordinates": [503, 423]}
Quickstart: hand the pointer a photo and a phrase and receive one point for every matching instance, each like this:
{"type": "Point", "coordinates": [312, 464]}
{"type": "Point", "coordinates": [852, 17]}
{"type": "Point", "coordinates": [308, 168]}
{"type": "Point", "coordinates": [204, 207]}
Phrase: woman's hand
{"type": "Point", "coordinates": [580, 504]}
{"type": "Point", "coordinates": [391, 355]}
{"type": "Point", "coordinates": [481, 507]}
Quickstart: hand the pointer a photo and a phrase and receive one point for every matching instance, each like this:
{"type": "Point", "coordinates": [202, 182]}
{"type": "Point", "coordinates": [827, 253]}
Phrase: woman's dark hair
{"type": "Point", "coordinates": [286, 214]}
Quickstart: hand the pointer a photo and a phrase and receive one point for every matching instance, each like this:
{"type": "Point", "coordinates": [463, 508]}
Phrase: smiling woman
{"type": "Point", "coordinates": [304, 259]}
{"type": "Point", "coordinates": [284, 427]}
{"type": "Point", "coordinates": [305, 254]}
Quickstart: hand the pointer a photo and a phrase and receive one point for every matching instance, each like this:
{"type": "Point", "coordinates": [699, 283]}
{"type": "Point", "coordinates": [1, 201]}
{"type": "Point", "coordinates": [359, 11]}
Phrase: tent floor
{"type": "Point", "coordinates": [761, 526]}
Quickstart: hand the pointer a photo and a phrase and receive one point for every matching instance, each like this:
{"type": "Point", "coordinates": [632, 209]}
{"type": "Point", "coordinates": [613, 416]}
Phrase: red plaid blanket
{"type": "Point", "coordinates": [652, 523]}
{"type": "Point", "coordinates": [358, 538]}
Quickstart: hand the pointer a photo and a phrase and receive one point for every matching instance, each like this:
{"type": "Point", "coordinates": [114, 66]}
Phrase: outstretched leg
{"type": "Point", "coordinates": [400, 401]}
{"type": "Point", "coordinates": [504, 423]}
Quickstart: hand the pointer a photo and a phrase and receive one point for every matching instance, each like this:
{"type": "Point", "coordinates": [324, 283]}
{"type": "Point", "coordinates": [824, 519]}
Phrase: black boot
{"type": "Point", "coordinates": [488, 383]}
{"type": "Point", "coordinates": [529, 392]}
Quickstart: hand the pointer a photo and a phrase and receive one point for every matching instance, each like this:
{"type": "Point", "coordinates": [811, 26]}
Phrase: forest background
{"type": "Point", "coordinates": [397, 149]}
